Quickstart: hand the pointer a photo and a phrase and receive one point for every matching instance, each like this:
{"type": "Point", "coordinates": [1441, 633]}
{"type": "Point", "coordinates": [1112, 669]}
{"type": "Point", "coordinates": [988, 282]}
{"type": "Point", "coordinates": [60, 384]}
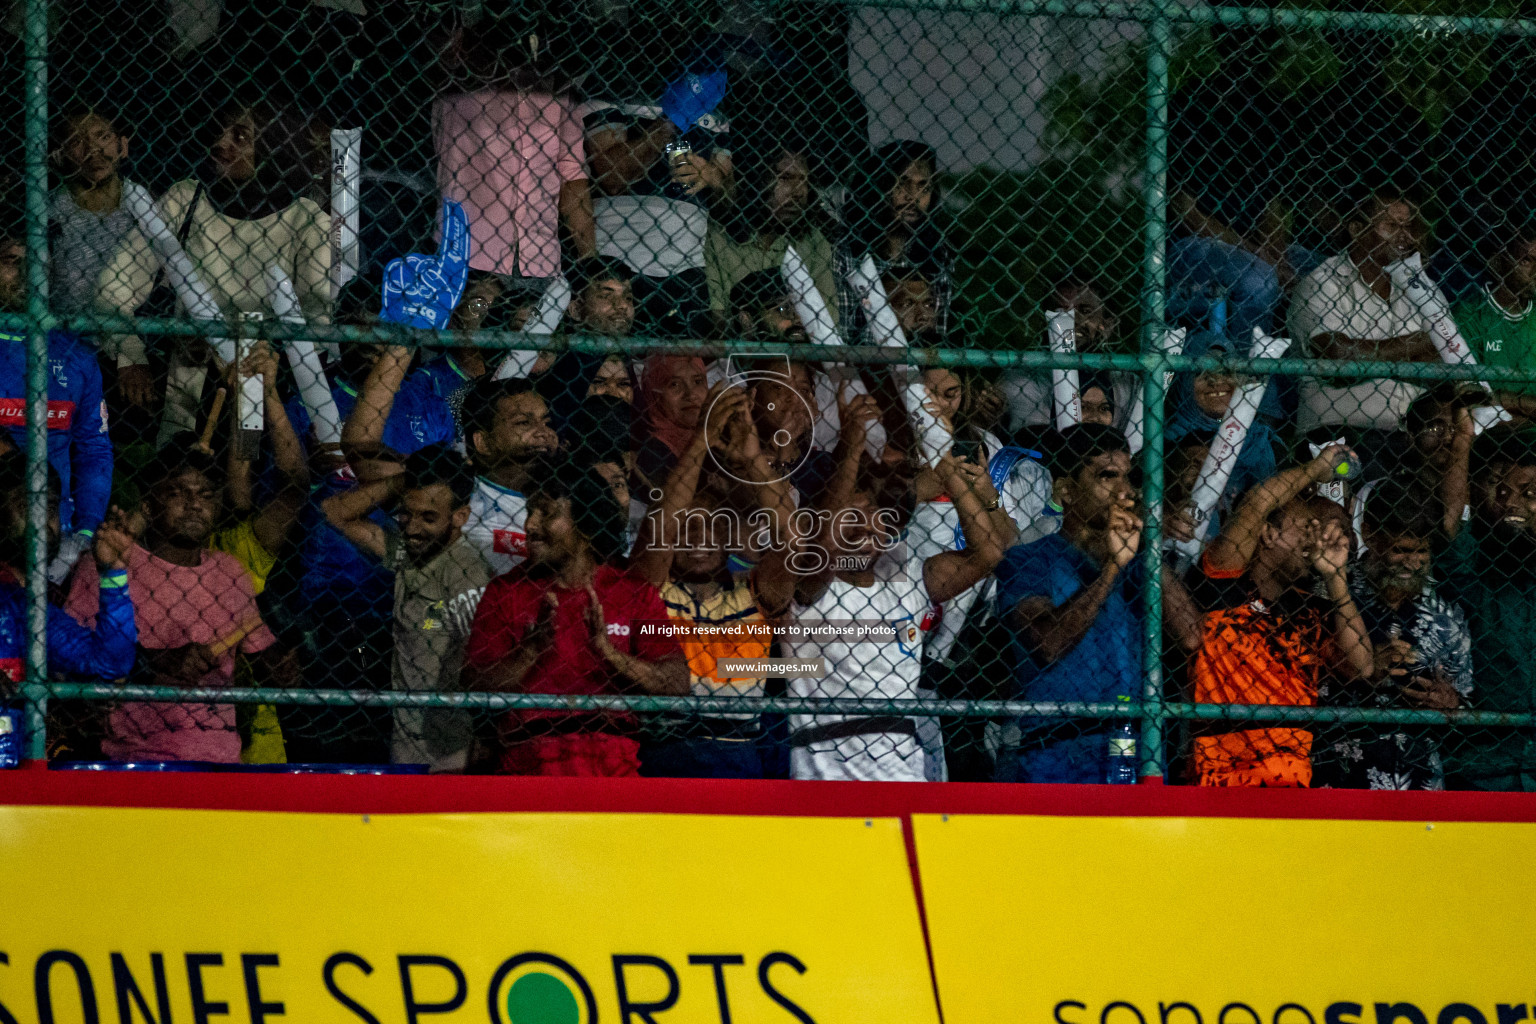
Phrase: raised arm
{"type": "Point", "coordinates": [1235, 547]}
{"type": "Point", "coordinates": [90, 451]}
{"type": "Point", "coordinates": [652, 559]}
{"type": "Point", "coordinates": [1051, 631]}
{"type": "Point", "coordinates": [950, 573]}
{"type": "Point", "coordinates": [774, 580]}
{"type": "Point", "coordinates": [1181, 619]}
{"type": "Point", "coordinates": [362, 436]}
{"type": "Point", "coordinates": [108, 650]}
{"type": "Point", "coordinates": [278, 516]}
{"type": "Point", "coordinates": [1455, 488]}
{"type": "Point", "coordinates": [1353, 655]}
{"type": "Point", "coordinates": [348, 512]}
{"type": "Point", "coordinates": [855, 415]}
{"type": "Point", "coordinates": [419, 291]}
{"type": "Point", "coordinates": [272, 523]}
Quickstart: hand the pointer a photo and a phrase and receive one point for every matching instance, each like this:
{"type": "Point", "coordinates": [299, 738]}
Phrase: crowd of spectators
{"type": "Point", "coordinates": [556, 522]}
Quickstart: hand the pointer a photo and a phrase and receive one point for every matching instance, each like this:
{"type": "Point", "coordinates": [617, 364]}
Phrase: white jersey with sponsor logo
{"type": "Point", "coordinates": [496, 525]}
{"type": "Point", "coordinates": [840, 746]}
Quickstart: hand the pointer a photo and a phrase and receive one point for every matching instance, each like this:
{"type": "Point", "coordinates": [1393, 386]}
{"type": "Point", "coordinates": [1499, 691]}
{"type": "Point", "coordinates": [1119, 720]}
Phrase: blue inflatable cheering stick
{"type": "Point", "coordinates": [422, 291]}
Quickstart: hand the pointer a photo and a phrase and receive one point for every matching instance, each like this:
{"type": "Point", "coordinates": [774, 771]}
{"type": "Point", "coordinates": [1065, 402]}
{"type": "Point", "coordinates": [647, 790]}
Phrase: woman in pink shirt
{"type": "Point", "coordinates": [509, 150]}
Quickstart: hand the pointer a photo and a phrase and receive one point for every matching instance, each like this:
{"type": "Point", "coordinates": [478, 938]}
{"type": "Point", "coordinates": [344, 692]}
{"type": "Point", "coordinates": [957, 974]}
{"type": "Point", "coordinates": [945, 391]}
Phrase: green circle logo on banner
{"type": "Point", "coordinates": [540, 998]}
{"type": "Point", "coordinates": [540, 988]}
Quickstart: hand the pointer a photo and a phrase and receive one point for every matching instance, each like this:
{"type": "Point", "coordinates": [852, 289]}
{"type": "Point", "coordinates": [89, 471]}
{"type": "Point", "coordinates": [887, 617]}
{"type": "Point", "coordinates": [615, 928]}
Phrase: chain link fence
{"type": "Point", "coordinates": [1033, 391]}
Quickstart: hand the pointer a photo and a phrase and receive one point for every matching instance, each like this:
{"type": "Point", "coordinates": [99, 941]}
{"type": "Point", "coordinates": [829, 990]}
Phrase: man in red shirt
{"type": "Point", "coordinates": [568, 621]}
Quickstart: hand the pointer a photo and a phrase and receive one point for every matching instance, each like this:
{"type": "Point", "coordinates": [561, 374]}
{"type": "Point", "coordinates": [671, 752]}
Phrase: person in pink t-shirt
{"type": "Point", "coordinates": [510, 151]}
{"type": "Point", "coordinates": [194, 609]}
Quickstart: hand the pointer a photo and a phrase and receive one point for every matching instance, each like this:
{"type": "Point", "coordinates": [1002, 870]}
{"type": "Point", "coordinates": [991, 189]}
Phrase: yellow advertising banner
{"type": "Point", "coordinates": [224, 917]}
{"type": "Point", "coordinates": [1106, 920]}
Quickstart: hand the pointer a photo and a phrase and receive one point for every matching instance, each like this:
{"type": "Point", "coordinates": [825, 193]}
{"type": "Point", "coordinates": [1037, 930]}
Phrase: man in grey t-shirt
{"type": "Point", "coordinates": [86, 216]}
{"type": "Point", "coordinates": [439, 578]}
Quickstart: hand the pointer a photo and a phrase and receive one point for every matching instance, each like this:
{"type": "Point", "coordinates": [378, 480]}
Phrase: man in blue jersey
{"type": "Point", "coordinates": [1073, 600]}
{"type": "Point", "coordinates": [415, 418]}
{"type": "Point", "coordinates": [78, 447]}
{"type": "Point", "coordinates": [485, 306]}
{"type": "Point", "coordinates": [105, 652]}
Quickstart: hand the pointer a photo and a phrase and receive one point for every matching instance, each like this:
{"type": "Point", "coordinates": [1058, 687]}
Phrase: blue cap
{"type": "Point", "coordinates": [692, 96]}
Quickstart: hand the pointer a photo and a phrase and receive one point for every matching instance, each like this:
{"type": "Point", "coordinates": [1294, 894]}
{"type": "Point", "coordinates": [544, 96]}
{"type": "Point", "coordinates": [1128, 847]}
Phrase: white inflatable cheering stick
{"type": "Point", "coordinates": [251, 407]}
{"type": "Point", "coordinates": [884, 327]}
{"type": "Point", "coordinates": [1242, 407]}
{"type": "Point", "coordinates": [1061, 330]}
{"type": "Point", "coordinates": [191, 291]}
{"type": "Point", "coordinates": [544, 321]}
{"type": "Point", "coordinates": [1408, 274]}
{"type": "Point", "coordinates": [308, 373]}
{"type": "Point", "coordinates": [809, 305]}
{"type": "Point", "coordinates": [346, 206]}
{"type": "Point", "coordinates": [812, 310]}
{"type": "Point", "coordinates": [194, 295]}
{"type": "Point", "coordinates": [934, 438]}
{"type": "Point", "coordinates": [198, 300]}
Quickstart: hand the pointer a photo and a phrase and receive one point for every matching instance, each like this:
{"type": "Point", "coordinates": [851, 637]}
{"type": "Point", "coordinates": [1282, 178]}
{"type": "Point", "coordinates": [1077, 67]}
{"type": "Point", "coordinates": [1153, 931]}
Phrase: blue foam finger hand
{"type": "Point", "coordinates": [422, 291]}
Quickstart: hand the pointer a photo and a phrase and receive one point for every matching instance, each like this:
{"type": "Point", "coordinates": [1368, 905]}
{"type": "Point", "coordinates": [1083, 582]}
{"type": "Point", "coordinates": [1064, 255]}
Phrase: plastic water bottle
{"type": "Point", "coordinates": [1122, 764]}
{"type": "Point", "coordinates": [12, 720]}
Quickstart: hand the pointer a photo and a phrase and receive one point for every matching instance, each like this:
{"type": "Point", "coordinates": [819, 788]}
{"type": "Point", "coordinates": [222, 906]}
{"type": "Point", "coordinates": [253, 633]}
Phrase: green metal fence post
{"type": "Point", "coordinates": [1153, 713]}
{"type": "Point", "coordinates": [1153, 308]}
{"type": "Point", "coordinates": [1154, 185]}
{"type": "Point", "coordinates": [35, 688]}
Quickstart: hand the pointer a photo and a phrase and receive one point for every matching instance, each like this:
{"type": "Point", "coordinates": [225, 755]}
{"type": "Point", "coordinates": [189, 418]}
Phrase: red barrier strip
{"type": "Point", "coordinates": [406, 794]}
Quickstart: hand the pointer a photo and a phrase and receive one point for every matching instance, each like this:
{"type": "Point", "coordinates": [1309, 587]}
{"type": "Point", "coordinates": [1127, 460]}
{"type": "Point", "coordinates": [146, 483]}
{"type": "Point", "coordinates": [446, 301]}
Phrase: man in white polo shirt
{"type": "Point", "coordinates": [1348, 308]}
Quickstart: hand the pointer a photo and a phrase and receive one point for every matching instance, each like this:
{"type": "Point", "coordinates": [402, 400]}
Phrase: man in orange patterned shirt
{"type": "Point", "coordinates": [1267, 638]}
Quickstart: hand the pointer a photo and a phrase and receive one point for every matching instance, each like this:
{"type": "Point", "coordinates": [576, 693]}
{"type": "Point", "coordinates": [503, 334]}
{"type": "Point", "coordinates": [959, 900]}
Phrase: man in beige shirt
{"type": "Point", "coordinates": [439, 577]}
{"type": "Point", "coordinates": [1348, 308]}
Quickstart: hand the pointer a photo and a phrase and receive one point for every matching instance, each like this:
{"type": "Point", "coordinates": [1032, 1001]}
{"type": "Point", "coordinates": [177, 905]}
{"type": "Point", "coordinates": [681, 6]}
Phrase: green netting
{"type": "Point", "coordinates": [1050, 391]}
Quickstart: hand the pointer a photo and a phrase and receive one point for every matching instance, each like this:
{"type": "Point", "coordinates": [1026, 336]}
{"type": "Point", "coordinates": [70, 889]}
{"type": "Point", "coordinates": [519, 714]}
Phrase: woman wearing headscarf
{"type": "Point", "coordinates": [1197, 404]}
{"type": "Point", "coordinates": [673, 391]}
{"type": "Point", "coordinates": [247, 208]}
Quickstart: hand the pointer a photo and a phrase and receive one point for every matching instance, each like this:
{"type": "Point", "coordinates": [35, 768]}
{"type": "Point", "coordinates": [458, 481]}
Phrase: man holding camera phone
{"type": "Point", "coordinates": [657, 172]}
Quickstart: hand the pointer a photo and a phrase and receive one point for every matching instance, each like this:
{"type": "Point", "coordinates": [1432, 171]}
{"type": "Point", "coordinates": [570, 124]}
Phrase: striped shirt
{"type": "Point", "coordinates": [736, 606]}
